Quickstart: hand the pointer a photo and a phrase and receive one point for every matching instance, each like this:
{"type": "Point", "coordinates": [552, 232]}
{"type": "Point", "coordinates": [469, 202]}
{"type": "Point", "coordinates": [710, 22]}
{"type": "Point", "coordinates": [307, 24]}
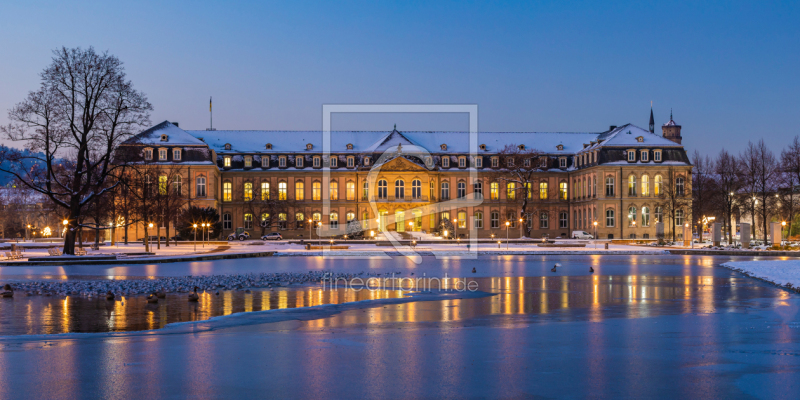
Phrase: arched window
{"type": "Point", "coordinates": [659, 214]}
{"type": "Point", "coordinates": [227, 191]}
{"type": "Point", "coordinates": [511, 191]}
{"type": "Point", "coordinates": [494, 191]}
{"type": "Point", "coordinates": [645, 185]}
{"type": "Point", "coordinates": [265, 220]}
{"type": "Point", "coordinates": [226, 221]}
{"type": "Point", "coordinates": [264, 190]}
{"type": "Point", "coordinates": [299, 220]}
{"type": "Point", "coordinates": [248, 192]}
{"type": "Point", "coordinates": [562, 220]}
{"type": "Point", "coordinates": [350, 190]}
{"type": "Point", "coordinates": [176, 185]}
{"type": "Point", "coordinates": [529, 190]}
{"type": "Point", "coordinates": [609, 218]}
{"type": "Point", "coordinates": [512, 220]}
{"type": "Point", "coordinates": [542, 190]}
{"type": "Point", "coordinates": [200, 186]}
{"type": "Point", "coordinates": [610, 186]}
{"type": "Point", "coordinates": [365, 191]}
{"type": "Point", "coordinates": [334, 190]}
{"type": "Point", "coordinates": [416, 189]}
{"type": "Point", "coordinates": [445, 191]}
{"type": "Point", "coordinates": [462, 190]}
{"type": "Point", "coordinates": [563, 190]}
{"type": "Point", "coordinates": [462, 219]}
{"type": "Point", "coordinates": [248, 221]}
{"type": "Point", "coordinates": [299, 191]}
{"type": "Point", "coordinates": [383, 189]}
{"type": "Point", "coordinates": [632, 185]}
{"type": "Point", "coordinates": [478, 220]}
{"type": "Point", "coordinates": [679, 187]}
{"type": "Point", "coordinates": [282, 190]}
{"type": "Point", "coordinates": [645, 216]}
{"type": "Point", "coordinates": [657, 186]}
{"type": "Point", "coordinates": [350, 217]}
{"type": "Point", "coordinates": [282, 220]}
{"type": "Point", "coordinates": [317, 217]}
{"type": "Point", "coordinates": [631, 216]}
{"type": "Point", "coordinates": [334, 220]}
{"type": "Point", "coordinates": [316, 191]}
{"type": "Point", "coordinates": [477, 189]}
{"type": "Point", "coordinates": [399, 189]}
{"type": "Point", "coordinates": [495, 219]}
{"type": "Point", "coordinates": [544, 221]}
{"type": "Point", "coordinates": [432, 193]}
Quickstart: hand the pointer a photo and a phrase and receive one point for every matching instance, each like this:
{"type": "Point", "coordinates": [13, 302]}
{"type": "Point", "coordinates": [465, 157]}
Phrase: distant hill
{"type": "Point", "coordinates": [5, 177]}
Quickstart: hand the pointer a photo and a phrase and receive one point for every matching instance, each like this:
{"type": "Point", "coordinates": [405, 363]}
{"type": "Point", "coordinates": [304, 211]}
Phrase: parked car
{"type": "Point", "coordinates": [154, 238]}
{"type": "Point", "coordinates": [272, 236]}
{"type": "Point", "coordinates": [176, 238]}
{"type": "Point", "coordinates": [239, 234]}
{"type": "Point", "coordinates": [581, 235]}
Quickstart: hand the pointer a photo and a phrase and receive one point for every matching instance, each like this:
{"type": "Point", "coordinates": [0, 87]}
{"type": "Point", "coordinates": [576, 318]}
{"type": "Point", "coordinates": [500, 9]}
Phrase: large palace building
{"type": "Point", "coordinates": [625, 179]}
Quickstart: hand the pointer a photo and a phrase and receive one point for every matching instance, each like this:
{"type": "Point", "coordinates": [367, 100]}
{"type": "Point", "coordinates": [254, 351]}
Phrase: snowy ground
{"type": "Point", "coordinates": [668, 327]}
{"type": "Point", "coordinates": [780, 272]}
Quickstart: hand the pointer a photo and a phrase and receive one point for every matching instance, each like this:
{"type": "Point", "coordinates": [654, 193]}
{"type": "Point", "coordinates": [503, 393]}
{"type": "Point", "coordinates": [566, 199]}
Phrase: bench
{"type": "Point", "coordinates": [13, 255]}
{"type": "Point", "coordinates": [54, 252]}
{"type": "Point", "coordinates": [80, 252]}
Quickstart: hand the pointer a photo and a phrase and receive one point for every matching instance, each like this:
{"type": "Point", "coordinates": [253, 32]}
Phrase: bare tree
{"type": "Point", "coordinates": [790, 180]}
{"type": "Point", "coordinates": [727, 171]}
{"type": "Point", "coordinates": [761, 177]}
{"type": "Point", "coordinates": [675, 198]}
{"type": "Point", "coordinates": [83, 109]}
{"type": "Point", "coordinates": [517, 171]}
{"type": "Point", "coordinates": [704, 193]}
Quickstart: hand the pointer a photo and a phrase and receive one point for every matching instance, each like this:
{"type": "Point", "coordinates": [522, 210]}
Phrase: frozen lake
{"type": "Point", "coordinates": [640, 326]}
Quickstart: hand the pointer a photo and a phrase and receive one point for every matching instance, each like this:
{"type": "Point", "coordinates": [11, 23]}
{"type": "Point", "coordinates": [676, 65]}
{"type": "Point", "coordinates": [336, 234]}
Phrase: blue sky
{"type": "Point", "coordinates": [728, 69]}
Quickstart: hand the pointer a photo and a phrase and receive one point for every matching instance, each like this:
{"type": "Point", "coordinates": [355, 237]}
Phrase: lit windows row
{"type": "Point", "coordinates": [162, 154]}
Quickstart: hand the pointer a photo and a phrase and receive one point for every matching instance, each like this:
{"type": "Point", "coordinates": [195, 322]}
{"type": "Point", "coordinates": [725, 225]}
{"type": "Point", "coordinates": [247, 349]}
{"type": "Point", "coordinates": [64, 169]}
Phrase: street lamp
{"type": "Point", "coordinates": [310, 224]}
{"type": "Point", "coordinates": [203, 234]}
{"type": "Point", "coordinates": [508, 226]}
{"type": "Point", "coordinates": [595, 234]}
{"type": "Point", "coordinates": [691, 239]}
{"type": "Point", "coordinates": [147, 239]}
{"type": "Point", "coordinates": [783, 226]}
{"type": "Point", "coordinates": [520, 228]}
{"type": "Point", "coordinates": [455, 227]}
{"type": "Point", "coordinates": [27, 228]}
{"type": "Point", "coordinates": [63, 231]}
{"type": "Point", "coordinates": [195, 236]}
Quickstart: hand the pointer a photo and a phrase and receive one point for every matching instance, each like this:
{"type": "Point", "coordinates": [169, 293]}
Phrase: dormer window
{"type": "Point", "coordinates": [269, 146]}
{"type": "Point", "coordinates": [443, 147]}
{"type": "Point", "coordinates": [309, 146]}
{"type": "Point", "coordinates": [543, 163]}
{"type": "Point", "coordinates": [248, 161]}
{"type": "Point", "coordinates": [226, 162]}
{"type": "Point", "coordinates": [164, 138]}
{"type": "Point", "coordinates": [562, 162]}
{"type": "Point", "coordinates": [560, 147]}
{"type": "Point", "coordinates": [351, 162]}
{"type": "Point", "coordinates": [640, 139]}
{"type": "Point", "coordinates": [428, 162]}
{"type": "Point", "coordinates": [282, 161]}
{"type": "Point", "coordinates": [317, 162]}
{"type": "Point", "coordinates": [176, 154]}
{"type": "Point", "coordinates": [349, 146]}
{"type": "Point", "coordinates": [645, 156]}
{"type": "Point", "coordinates": [509, 162]}
{"type": "Point", "coordinates": [334, 161]}
{"type": "Point", "coordinates": [264, 161]}
{"type": "Point", "coordinates": [162, 154]}
{"type": "Point", "coordinates": [478, 162]}
{"type": "Point", "coordinates": [298, 162]}
{"type": "Point", "coordinates": [631, 156]}
{"type": "Point", "coordinates": [657, 155]}
{"type": "Point", "coordinates": [495, 162]}
{"type": "Point", "coordinates": [527, 163]}
{"type": "Point", "coordinates": [462, 162]}
{"type": "Point", "coordinates": [483, 147]}
{"type": "Point", "coordinates": [366, 161]}
{"type": "Point", "coordinates": [445, 162]}
{"type": "Point", "coordinates": [148, 154]}
{"type": "Point", "coordinates": [227, 146]}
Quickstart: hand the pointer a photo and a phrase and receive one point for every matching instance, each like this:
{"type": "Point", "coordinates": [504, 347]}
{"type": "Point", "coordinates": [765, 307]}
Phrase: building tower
{"type": "Point", "coordinates": [652, 120]}
{"type": "Point", "coordinates": [671, 130]}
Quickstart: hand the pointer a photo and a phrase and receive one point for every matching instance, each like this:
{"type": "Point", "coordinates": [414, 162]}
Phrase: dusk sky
{"type": "Point", "coordinates": [729, 70]}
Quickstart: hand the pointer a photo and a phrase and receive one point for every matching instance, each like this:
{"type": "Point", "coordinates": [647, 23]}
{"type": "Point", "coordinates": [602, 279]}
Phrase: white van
{"type": "Point", "coordinates": [581, 235]}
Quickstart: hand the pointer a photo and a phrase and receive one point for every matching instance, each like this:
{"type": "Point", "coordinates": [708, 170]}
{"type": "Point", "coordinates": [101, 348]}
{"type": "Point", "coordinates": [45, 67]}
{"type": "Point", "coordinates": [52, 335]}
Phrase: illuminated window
{"type": "Point", "coordinates": [645, 216]}
{"type": "Point", "coordinates": [282, 190]}
{"type": "Point", "coordinates": [334, 220]}
{"type": "Point", "coordinates": [494, 190]}
{"type": "Point", "coordinates": [248, 191]}
{"type": "Point", "coordinates": [631, 216]}
{"type": "Point", "coordinates": [350, 189]}
{"type": "Point", "coordinates": [299, 191]}
{"type": "Point", "coordinates": [657, 186]}
{"type": "Point", "coordinates": [631, 185]}
{"type": "Point", "coordinates": [645, 185]}
{"type": "Point", "coordinates": [248, 221]}
{"type": "Point", "coordinates": [227, 191]}
{"type": "Point", "coordinates": [299, 220]}
{"type": "Point", "coordinates": [542, 190]}
{"type": "Point", "coordinates": [226, 162]}
{"type": "Point", "coordinates": [264, 190]}
{"type": "Point", "coordinates": [478, 220]}
{"type": "Point", "coordinates": [162, 185]}
{"type": "Point", "coordinates": [316, 191]}
{"type": "Point", "coordinates": [511, 191]}
{"type": "Point", "coordinates": [248, 161]}
{"type": "Point", "coordinates": [563, 190]}
{"type": "Point", "coordinates": [334, 190]}
{"type": "Point", "coordinates": [462, 219]}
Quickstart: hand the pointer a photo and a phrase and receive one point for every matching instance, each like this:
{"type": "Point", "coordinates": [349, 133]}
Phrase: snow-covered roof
{"type": "Point", "coordinates": [628, 136]}
{"type": "Point", "coordinates": [173, 136]}
{"type": "Point", "coordinates": [378, 141]}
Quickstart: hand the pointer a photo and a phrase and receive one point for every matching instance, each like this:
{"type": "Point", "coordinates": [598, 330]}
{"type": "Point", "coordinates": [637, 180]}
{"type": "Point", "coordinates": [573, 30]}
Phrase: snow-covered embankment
{"type": "Point", "coordinates": [784, 273]}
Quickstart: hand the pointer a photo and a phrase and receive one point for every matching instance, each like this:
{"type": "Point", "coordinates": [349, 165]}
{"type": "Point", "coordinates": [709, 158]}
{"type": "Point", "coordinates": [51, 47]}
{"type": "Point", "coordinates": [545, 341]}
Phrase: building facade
{"type": "Point", "coordinates": [625, 179]}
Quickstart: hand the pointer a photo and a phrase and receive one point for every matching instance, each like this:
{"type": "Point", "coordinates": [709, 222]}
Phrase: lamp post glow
{"type": "Point", "coordinates": [595, 234]}
{"type": "Point", "coordinates": [64, 231]}
{"type": "Point", "coordinates": [455, 228]}
{"type": "Point", "coordinates": [520, 228]}
{"type": "Point", "coordinates": [27, 228]}
{"type": "Point", "coordinates": [310, 224]}
{"type": "Point", "coordinates": [783, 226]}
{"type": "Point", "coordinates": [195, 236]}
{"type": "Point", "coordinates": [203, 234]}
{"type": "Point", "coordinates": [508, 226]}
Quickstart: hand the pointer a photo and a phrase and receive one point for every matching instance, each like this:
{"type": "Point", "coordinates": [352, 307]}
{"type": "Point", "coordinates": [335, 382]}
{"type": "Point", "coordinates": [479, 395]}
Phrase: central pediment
{"type": "Point", "coordinates": [400, 164]}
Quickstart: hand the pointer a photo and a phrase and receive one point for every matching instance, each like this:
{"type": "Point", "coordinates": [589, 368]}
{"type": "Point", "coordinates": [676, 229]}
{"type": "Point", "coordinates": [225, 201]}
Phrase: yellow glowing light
{"type": "Point", "coordinates": [65, 222]}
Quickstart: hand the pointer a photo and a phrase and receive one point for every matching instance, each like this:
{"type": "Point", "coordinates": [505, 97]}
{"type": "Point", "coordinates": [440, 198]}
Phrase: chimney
{"type": "Point", "coordinates": [612, 127]}
{"type": "Point", "coordinates": [176, 124]}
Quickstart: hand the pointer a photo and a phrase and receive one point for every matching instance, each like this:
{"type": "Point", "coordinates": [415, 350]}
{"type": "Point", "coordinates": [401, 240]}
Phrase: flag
{"type": "Point", "coordinates": [209, 104]}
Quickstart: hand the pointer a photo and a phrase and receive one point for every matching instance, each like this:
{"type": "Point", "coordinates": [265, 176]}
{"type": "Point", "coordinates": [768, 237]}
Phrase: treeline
{"type": "Point", "coordinates": [756, 185]}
